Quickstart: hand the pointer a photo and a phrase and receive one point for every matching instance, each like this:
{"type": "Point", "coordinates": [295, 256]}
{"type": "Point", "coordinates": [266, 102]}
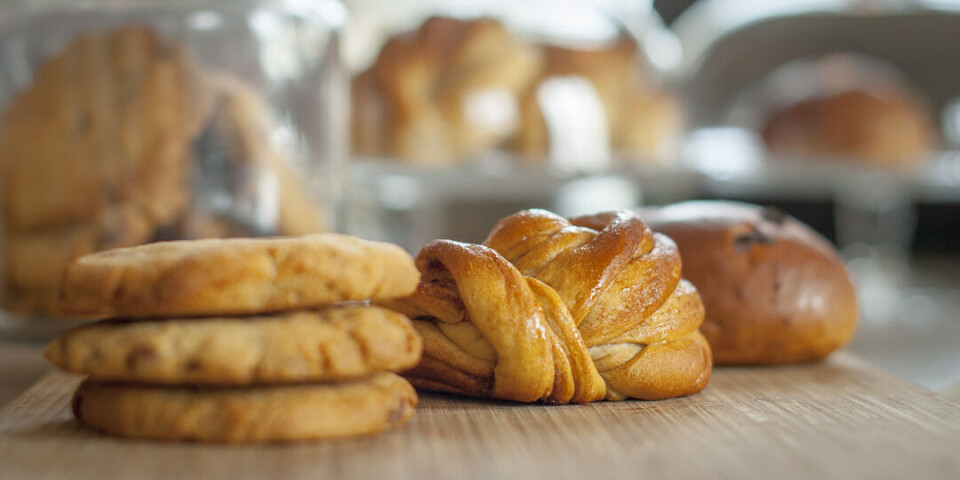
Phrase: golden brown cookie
{"type": "Point", "coordinates": [107, 121]}
{"type": "Point", "coordinates": [236, 276]}
{"type": "Point", "coordinates": [268, 414]}
{"type": "Point", "coordinates": [305, 346]}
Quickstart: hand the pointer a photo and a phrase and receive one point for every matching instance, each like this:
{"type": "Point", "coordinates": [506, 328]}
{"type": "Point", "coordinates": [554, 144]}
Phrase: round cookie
{"type": "Point", "coordinates": [774, 290]}
{"type": "Point", "coordinates": [268, 414]}
{"type": "Point", "coordinates": [305, 346]}
{"type": "Point", "coordinates": [236, 276]}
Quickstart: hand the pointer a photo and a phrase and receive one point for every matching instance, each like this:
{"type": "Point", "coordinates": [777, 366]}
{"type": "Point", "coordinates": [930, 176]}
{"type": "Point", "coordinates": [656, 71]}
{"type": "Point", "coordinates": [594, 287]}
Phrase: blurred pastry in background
{"type": "Point", "coordinates": [94, 154]}
{"type": "Point", "coordinates": [858, 108]}
{"type": "Point", "coordinates": [439, 94]}
{"type": "Point", "coordinates": [642, 121]}
{"type": "Point", "coordinates": [774, 290]}
{"type": "Point", "coordinates": [454, 88]}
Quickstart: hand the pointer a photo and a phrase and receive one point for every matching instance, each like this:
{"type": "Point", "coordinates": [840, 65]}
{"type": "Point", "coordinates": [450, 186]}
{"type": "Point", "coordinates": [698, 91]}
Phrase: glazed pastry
{"type": "Point", "coordinates": [775, 291]}
{"type": "Point", "coordinates": [590, 309]}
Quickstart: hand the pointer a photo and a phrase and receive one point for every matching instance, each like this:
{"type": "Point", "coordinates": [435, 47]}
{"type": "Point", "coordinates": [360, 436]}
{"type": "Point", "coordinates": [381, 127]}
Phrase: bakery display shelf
{"type": "Point", "coordinates": [937, 179]}
{"type": "Point", "coordinates": [841, 418]}
{"type": "Point", "coordinates": [502, 176]}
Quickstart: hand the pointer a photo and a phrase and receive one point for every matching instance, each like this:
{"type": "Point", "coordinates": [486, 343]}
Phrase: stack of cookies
{"type": "Point", "coordinates": [242, 340]}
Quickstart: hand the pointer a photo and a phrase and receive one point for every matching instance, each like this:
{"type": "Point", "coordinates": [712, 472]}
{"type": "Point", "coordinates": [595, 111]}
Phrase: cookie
{"type": "Point", "coordinates": [268, 414]}
{"type": "Point", "coordinates": [236, 276]}
{"type": "Point", "coordinates": [305, 346]}
{"type": "Point", "coordinates": [106, 122]}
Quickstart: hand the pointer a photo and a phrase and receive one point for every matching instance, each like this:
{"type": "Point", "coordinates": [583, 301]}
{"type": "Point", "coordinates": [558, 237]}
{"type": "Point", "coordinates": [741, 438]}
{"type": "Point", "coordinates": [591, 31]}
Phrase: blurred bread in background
{"type": "Point", "coordinates": [454, 88]}
{"type": "Point", "coordinates": [861, 109]}
{"type": "Point", "coordinates": [441, 93]}
{"type": "Point", "coordinates": [641, 119]}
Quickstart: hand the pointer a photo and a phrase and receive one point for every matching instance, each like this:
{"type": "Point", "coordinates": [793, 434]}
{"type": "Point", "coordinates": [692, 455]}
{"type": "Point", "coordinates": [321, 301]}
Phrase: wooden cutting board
{"type": "Point", "coordinates": [837, 419]}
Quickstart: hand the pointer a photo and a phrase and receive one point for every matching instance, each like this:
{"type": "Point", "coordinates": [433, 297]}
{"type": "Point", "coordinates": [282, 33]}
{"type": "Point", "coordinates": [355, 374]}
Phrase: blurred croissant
{"type": "Point", "coordinates": [443, 92]}
{"type": "Point", "coordinates": [589, 309]}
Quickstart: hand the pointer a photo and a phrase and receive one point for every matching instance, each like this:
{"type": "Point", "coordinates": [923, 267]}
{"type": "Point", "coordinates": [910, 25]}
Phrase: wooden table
{"type": "Point", "coordinates": [837, 419]}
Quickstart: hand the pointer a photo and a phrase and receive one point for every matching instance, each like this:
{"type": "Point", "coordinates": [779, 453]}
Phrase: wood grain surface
{"type": "Point", "coordinates": [837, 419]}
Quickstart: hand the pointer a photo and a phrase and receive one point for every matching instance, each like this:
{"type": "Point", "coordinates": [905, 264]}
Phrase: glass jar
{"type": "Point", "coordinates": [124, 122]}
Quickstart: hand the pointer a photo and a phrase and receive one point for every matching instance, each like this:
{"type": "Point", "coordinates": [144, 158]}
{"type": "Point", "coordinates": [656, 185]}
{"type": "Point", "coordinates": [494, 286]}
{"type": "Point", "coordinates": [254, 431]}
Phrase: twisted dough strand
{"type": "Point", "coordinates": [568, 311]}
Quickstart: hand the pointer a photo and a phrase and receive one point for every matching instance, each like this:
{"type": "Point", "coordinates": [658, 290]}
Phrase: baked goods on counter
{"type": "Point", "coordinates": [236, 276]}
{"type": "Point", "coordinates": [241, 340]}
{"type": "Point", "coordinates": [775, 291]}
{"type": "Point", "coordinates": [115, 144]}
{"type": "Point", "coordinates": [859, 110]}
{"type": "Point", "coordinates": [286, 347]}
{"type": "Point", "coordinates": [457, 88]}
{"type": "Point", "coordinates": [559, 311]}
{"type": "Point", "coordinates": [274, 413]}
